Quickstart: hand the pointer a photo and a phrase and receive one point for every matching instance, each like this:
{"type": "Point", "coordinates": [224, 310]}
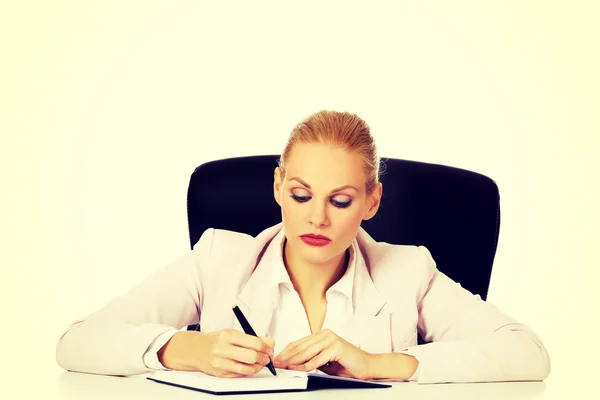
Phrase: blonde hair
{"type": "Point", "coordinates": [342, 130]}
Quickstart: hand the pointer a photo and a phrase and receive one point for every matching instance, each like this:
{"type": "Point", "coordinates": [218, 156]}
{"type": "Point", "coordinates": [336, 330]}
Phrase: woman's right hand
{"type": "Point", "coordinates": [227, 353]}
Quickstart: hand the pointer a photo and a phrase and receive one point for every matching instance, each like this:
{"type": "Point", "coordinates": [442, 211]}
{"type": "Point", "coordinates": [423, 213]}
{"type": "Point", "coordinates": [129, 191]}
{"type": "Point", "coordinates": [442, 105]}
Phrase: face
{"type": "Point", "coordinates": [323, 193]}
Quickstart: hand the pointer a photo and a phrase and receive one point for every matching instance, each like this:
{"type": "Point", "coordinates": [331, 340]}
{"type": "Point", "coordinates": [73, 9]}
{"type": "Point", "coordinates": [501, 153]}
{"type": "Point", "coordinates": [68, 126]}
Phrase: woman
{"type": "Point", "coordinates": [317, 289]}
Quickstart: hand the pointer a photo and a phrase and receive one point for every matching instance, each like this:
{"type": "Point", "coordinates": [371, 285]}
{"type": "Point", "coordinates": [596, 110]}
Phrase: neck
{"type": "Point", "coordinates": [313, 280]}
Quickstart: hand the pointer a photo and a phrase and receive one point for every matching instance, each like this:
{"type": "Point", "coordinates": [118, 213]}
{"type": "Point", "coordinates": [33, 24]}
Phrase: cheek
{"type": "Point", "coordinates": [349, 221]}
{"type": "Point", "coordinates": [290, 211]}
{"type": "Point", "coordinates": [353, 216]}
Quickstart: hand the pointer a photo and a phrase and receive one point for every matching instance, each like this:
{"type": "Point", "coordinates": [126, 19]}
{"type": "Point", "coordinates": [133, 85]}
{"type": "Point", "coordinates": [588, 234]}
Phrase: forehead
{"type": "Point", "coordinates": [324, 166]}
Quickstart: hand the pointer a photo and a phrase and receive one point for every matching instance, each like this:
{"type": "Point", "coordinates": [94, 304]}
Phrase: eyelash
{"type": "Point", "coordinates": [338, 204]}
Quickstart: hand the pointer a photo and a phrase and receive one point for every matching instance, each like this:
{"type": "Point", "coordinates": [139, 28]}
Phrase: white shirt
{"type": "Point", "coordinates": [289, 321]}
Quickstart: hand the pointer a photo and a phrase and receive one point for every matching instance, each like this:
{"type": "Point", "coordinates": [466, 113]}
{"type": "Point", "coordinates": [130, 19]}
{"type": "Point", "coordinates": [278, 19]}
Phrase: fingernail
{"type": "Point", "coordinates": [265, 360]}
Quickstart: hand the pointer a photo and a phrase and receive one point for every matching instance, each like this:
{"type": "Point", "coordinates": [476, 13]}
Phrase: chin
{"type": "Point", "coordinates": [317, 255]}
{"type": "Point", "coordinates": [316, 260]}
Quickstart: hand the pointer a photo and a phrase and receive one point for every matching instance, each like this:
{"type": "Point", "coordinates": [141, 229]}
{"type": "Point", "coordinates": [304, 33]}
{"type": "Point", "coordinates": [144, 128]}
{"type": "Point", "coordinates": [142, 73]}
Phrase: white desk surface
{"type": "Point", "coordinates": [85, 386]}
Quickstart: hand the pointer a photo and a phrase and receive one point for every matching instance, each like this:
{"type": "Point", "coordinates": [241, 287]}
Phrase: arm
{"type": "Point", "coordinates": [123, 336]}
{"type": "Point", "coordinates": [472, 341]}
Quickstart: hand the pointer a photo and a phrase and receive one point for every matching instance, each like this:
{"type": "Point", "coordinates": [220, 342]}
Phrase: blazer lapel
{"type": "Point", "coordinates": [257, 298]}
{"type": "Point", "coordinates": [371, 315]}
{"type": "Point", "coordinates": [249, 292]}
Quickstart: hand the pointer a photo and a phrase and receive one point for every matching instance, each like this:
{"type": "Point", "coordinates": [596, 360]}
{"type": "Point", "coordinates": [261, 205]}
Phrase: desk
{"type": "Point", "coordinates": [76, 386]}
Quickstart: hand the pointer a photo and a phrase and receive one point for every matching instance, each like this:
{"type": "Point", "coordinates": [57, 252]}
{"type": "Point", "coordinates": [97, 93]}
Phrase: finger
{"type": "Point", "coordinates": [271, 345]}
{"type": "Point", "coordinates": [335, 368]}
{"type": "Point", "coordinates": [298, 345]}
{"type": "Point", "coordinates": [317, 361]}
{"type": "Point", "coordinates": [226, 374]}
{"type": "Point", "coordinates": [313, 339]}
{"type": "Point", "coordinates": [289, 350]}
{"type": "Point", "coordinates": [228, 367]}
{"type": "Point", "coordinates": [242, 354]}
{"type": "Point", "coordinates": [309, 353]}
{"type": "Point", "coordinates": [308, 349]}
{"type": "Point", "coordinates": [244, 340]}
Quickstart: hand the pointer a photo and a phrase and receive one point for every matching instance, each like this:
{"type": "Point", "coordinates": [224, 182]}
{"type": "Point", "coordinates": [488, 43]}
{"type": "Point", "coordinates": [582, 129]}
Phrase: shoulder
{"type": "Point", "coordinates": [226, 251]}
{"type": "Point", "coordinates": [214, 240]}
{"type": "Point", "coordinates": [399, 267]}
{"type": "Point", "coordinates": [215, 244]}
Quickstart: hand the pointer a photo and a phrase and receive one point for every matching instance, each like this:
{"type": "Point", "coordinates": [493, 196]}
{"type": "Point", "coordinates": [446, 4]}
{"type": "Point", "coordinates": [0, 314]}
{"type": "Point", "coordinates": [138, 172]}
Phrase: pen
{"type": "Point", "coordinates": [248, 330]}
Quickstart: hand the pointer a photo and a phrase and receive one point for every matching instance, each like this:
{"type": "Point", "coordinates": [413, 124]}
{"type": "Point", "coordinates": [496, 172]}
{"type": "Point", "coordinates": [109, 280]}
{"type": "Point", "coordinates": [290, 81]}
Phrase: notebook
{"type": "Point", "coordinates": [262, 382]}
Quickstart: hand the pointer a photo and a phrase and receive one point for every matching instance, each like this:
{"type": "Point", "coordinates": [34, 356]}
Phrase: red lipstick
{"type": "Point", "coordinates": [315, 240]}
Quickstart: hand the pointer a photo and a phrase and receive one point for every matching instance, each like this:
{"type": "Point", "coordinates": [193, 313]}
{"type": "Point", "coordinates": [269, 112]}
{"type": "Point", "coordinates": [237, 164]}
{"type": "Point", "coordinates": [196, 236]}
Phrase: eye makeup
{"type": "Point", "coordinates": [340, 204]}
{"type": "Point", "coordinates": [335, 203]}
{"type": "Point", "coordinates": [300, 199]}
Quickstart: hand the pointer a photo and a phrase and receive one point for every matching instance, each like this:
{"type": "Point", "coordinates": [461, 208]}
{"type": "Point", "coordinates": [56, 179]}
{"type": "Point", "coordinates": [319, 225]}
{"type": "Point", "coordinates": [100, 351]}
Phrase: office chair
{"type": "Point", "coordinates": [453, 212]}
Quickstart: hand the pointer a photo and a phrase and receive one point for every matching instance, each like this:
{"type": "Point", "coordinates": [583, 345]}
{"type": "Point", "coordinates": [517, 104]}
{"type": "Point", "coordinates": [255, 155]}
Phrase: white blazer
{"type": "Point", "coordinates": [398, 291]}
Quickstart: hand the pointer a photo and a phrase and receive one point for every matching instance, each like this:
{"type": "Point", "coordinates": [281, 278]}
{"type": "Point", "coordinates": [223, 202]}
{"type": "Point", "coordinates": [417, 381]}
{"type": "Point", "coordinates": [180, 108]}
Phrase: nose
{"type": "Point", "coordinates": [318, 214]}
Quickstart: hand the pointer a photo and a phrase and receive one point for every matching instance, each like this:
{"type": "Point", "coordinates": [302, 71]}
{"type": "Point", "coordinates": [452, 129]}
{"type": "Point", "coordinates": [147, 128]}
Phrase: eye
{"type": "Point", "coordinates": [334, 202]}
{"type": "Point", "coordinates": [341, 204]}
{"type": "Point", "coordinates": [300, 199]}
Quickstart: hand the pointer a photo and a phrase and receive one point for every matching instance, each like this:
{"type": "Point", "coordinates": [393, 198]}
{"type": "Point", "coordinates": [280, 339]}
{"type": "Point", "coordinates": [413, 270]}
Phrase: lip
{"type": "Point", "coordinates": [310, 235]}
{"type": "Point", "coordinates": [315, 240]}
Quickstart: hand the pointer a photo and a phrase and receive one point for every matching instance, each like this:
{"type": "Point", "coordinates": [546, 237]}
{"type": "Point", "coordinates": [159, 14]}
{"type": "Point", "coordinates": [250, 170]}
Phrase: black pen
{"type": "Point", "coordinates": [248, 330]}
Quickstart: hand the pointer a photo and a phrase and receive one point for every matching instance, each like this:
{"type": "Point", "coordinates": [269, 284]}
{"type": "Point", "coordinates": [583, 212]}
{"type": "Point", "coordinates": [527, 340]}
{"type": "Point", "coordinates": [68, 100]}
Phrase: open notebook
{"type": "Point", "coordinates": [262, 382]}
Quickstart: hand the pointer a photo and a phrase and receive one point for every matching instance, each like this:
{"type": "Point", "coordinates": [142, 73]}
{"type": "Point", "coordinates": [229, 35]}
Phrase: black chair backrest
{"type": "Point", "coordinates": [455, 213]}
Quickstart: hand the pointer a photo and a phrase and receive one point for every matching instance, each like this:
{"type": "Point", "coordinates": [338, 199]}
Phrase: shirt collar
{"type": "Point", "coordinates": [346, 282]}
{"type": "Point", "coordinates": [281, 276]}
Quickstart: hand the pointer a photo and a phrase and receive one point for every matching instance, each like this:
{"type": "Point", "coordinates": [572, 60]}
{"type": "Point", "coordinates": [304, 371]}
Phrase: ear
{"type": "Point", "coordinates": [277, 185]}
{"type": "Point", "coordinates": [373, 201]}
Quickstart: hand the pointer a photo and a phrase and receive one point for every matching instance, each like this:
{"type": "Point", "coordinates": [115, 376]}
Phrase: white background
{"type": "Point", "coordinates": [107, 107]}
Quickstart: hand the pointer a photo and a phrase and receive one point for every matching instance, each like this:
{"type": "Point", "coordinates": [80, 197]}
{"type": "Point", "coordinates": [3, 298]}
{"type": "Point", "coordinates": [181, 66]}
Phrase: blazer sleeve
{"type": "Point", "coordinates": [114, 339]}
{"type": "Point", "coordinates": [471, 340]}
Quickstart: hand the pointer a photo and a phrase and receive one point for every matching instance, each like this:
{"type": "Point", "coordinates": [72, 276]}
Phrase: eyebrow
{"type": "Point", "coordinates": [333, 191]}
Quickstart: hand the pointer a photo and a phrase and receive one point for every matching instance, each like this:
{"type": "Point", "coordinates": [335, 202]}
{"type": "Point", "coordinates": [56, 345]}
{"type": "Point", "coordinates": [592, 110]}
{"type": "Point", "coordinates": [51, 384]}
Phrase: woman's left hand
{"type": "Point", "coordinates": [328, 352]}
